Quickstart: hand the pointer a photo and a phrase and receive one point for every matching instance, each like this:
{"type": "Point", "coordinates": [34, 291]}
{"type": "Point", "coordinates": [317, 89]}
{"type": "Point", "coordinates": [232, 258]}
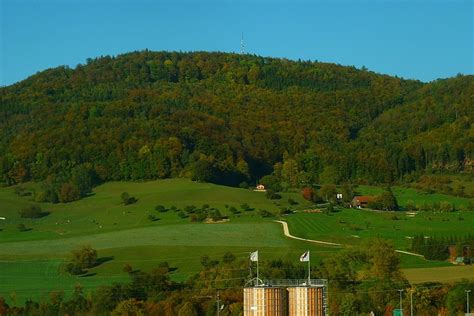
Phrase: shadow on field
{"type": "Point", "coordinates": [88, 275]}
{"type": "Point", "coordinates": [102, 260]}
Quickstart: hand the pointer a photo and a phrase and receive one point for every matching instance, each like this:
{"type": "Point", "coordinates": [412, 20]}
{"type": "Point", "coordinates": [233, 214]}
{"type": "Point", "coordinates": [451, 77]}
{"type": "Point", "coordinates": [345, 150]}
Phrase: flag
{"type": "Point", "coordinates": [254, 256]}
{"type": "Point", "coordinates": [305, 257]}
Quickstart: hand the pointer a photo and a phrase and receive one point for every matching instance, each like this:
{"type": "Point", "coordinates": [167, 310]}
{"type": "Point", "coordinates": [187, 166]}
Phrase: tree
{"type": "Point", "coordinates": [202, 171]}
{"type": "Point", "coordinates": [312, 195]}
{"type": "Point", "coordinates": [127, 199]}
{"type": "Point", "coordinates": [187, 309]}
{"type": "Point", "coordinates": [328, 192]}
{"type": "Point", "coordinates": [68, 192]}
{"type": "Point", "coordinates": [388, 201]}
{"type": "Point", "coordinates": [82, 258]}
{"type": "Point", "coordinates": [129, 307]}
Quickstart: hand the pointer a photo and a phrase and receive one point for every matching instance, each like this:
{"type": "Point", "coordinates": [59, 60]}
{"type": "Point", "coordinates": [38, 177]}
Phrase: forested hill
{"type": "Point", "coordinates": [230, 118]}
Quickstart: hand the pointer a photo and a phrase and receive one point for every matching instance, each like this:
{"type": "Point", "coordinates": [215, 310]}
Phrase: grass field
{"type": "Point", "coordinates": [350, 226]}
{"type": "Point", "coordinates": [30, 262]}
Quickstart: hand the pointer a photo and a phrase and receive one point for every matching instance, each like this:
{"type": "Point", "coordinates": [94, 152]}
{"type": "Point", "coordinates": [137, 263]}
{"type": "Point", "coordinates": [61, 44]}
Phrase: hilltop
{"type": "Point", "coordinates": [229, 119]}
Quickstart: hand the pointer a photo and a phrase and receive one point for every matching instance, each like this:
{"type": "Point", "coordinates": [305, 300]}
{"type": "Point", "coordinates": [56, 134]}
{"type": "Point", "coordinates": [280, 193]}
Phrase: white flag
{"type": "Point", "coordinates": [254, 256]}
{"type": "Point", "coordinates": [305, 257]}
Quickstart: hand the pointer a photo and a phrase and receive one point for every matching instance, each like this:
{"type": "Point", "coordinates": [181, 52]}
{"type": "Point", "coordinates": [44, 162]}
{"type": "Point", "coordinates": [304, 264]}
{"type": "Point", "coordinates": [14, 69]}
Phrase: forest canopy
{"type": "Point", "coordinates": [230, 119]}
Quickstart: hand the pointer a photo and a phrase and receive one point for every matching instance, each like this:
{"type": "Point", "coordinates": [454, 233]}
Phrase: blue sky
{"type": "Point", "coordinates": [420, 39]}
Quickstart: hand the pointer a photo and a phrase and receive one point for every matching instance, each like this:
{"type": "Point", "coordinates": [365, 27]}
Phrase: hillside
{"type": "Point", "coordinates": [228, 119]}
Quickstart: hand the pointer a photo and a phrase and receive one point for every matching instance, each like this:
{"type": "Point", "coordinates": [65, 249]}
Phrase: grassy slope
{"type": "Point", "coordinates": [30, 261]}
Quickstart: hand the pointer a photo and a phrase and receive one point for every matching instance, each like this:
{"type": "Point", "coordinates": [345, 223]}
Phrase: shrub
{"type": "Point", "coordinates": [182, 214]}
{"type": "Point", "coordinates": [32, 212]}
{"type": "Point", "coordinates": [234, 210]}
{"type": "Point", "coordinates": [215, 215]}
{"type": "Point", "coordinates": [245, 207]}
{"type": "Point", "coordinates": [68, 192]}
{"type": "Point", "coordinates": [161, 208]}
{"type": "Point", "coordinates": [285, 211]}
{"type": "Point", "coordinates": [127, 268]}
{"type": "Point", "coordinates": [265, 213]}
{"type": "Point", "coordinates": [22, 191]}
{"type": "Point", "coordinates": [272, 195]}
{"type": "Point", "coordinates": [190, 209]}
{"type": "Point", "coordinates": [81, 259]}
{"type": "Point", "coordinates": [311, 195]}
{"type": "Point", "coordinates": [127, 199]}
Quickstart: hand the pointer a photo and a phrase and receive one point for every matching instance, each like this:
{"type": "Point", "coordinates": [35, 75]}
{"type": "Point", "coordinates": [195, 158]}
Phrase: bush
{"type": "Point", "coordinates": [127, 199]}
{"type": "Point", "coordinates": [81, 259]}
{"type": "Point", "coordinates": [285, 211]}
{"type": "Point", "coordinates": [446, 207]}
{"type": "Point", "coordinates": [272, 195]}
{"type": "Point", "coordinates": [32, 212]}
{"type": "Point", "coordinates": [161, 208]}
{"type": "Point", "coordinates": [190, 209]}
{"type": "Point", "coordinates": [182, 214]}
{"type": "Point", "coordinates": [311, 195]}
{"type": "Point", "coordinates": [234, 210]}
{"type": "Point", "coordinates": [127, 268]}
{"type": "Point", "coordinates": [215, 215]}
{"type": "Point", "coordinates": [22, 191]}
{"type": "Point", "coordinates": [68, 192]}
{"type": "Point", "coordinates": [245, 207]}
{"type": "Point", "coordinates": [265, 213]}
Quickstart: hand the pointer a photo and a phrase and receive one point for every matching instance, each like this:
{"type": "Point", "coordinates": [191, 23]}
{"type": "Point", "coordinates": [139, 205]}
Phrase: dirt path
{"type": "Point", "coordinates": [286, 231]}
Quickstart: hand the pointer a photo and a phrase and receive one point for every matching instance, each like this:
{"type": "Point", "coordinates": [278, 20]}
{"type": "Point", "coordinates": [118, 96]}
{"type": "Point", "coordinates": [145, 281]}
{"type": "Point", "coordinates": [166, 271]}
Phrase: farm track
{"type": "Point", "coordinates": [287, 233]}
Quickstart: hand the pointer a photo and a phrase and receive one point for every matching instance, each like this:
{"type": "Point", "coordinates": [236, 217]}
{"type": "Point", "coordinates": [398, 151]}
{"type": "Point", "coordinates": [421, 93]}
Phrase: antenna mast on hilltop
{"type": "Point", "coordinates": [242, 46]}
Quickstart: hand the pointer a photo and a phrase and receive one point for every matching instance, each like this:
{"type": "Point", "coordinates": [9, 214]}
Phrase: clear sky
{"type": "Point", "coordinates": [420, 39]}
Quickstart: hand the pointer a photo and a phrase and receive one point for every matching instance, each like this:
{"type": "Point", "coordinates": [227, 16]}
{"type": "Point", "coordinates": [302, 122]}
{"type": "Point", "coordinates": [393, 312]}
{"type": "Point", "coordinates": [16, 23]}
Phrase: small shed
{"type": "Point", "coordinates": [260, 187]}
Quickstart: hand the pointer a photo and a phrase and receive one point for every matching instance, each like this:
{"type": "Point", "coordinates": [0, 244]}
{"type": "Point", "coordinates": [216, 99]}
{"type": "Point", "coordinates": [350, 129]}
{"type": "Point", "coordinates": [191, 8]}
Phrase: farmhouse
{"type": "Point", "coordinates": [260, 188]}
{"type": "Point", "coordinates": [361, 201]}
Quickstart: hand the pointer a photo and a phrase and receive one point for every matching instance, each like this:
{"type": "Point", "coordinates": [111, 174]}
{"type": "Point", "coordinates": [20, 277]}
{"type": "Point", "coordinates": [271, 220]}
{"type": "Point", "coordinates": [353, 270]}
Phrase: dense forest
{"type": "Point", "coordinates": [230, 119]}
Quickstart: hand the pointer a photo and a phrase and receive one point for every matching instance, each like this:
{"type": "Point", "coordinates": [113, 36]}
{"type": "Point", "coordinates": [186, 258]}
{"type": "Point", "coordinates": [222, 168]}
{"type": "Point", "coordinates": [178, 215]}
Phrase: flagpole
{"type": "Point", "coordinates": [309, 268]}
{"type": "Point", "coordinates": [257, 273]}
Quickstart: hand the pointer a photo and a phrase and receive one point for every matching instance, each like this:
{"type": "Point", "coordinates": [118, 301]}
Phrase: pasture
{"type": "Point", "coordinates": [30, 261]}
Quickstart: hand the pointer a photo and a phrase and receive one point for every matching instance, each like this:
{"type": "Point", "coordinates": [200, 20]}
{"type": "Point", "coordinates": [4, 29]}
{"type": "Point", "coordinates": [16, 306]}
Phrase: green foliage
{"type": "Point", "coordinates": [82, 258]}
{"type": "Point", "coordinates": [127, 199]}
{"type": "Point", "coordinates": [272, 195]}
{"type": "Point", "coordinates": [169, 114]}
{"type": "Point", "coordinates": [32, 212]}
{"type": "Point", "coordinates": [161, 208]}
{"type": "Point", "coordinates": [388, 201]}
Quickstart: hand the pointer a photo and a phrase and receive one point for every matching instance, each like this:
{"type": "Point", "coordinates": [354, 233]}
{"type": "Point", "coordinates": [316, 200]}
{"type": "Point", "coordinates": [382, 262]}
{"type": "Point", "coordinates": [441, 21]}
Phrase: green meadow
{"type": "Point", "coordinates": [31, 261]}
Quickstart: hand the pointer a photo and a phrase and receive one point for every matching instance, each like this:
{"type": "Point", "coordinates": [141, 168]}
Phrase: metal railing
{"type": "Point", "coordinates": [295, 282]}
